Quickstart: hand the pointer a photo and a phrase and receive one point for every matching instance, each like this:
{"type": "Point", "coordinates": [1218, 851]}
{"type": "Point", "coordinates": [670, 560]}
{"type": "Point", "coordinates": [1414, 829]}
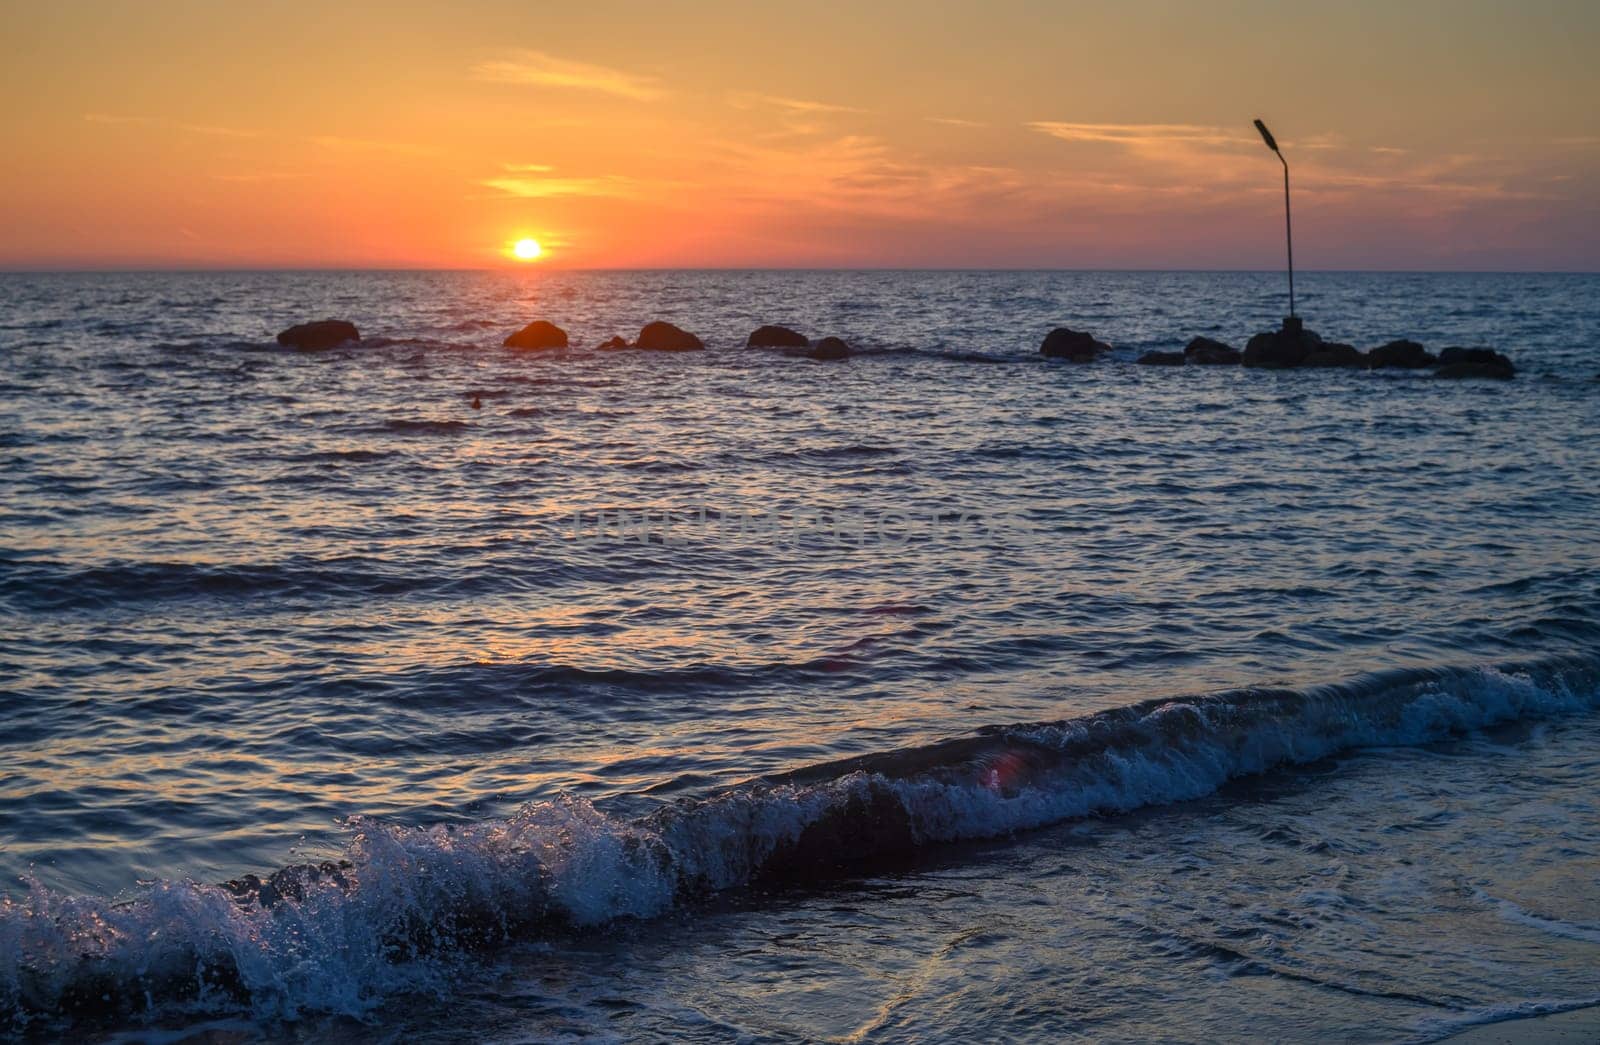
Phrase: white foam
{"type": "Point", "coordinates": [416, 899]}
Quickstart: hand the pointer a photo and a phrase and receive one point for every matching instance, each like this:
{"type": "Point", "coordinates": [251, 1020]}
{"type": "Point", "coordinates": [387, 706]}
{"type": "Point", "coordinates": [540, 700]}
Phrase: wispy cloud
{"type": "Point", "coordinates": [1138, 133]}
{"type": "Point", "coordinates": [750, 100]}
{"type": "Point", "coordinates": [529, 181]}
{"type": "Point", "coordinates": [1318, 141]}
{"type": "Point", "coordinates": [537, 69]}
{"type": "Point", "coordinates": [1175, 160]}
{"type": "Point", "coordinates": [335, 141]}
{"type": "Point", "coordinates": [953, 121]}
{"type": "Point", "coordinates": [261, 176]}
{"type": "Point", "coordinates": [160, 121]}
{"type": "Point", "coordinates": [862, 175]}
{"type": "Point", "coordinates": [326, 141]}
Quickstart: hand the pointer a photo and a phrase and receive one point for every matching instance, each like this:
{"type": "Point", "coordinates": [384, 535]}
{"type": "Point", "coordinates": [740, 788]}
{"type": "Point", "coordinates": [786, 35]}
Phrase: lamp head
{"type": "Point", "coordinates": [1267, 137]}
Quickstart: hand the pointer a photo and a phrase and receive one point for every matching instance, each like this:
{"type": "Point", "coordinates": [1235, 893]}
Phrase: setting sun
{"type": "Point", "coordinates": [527, 249]}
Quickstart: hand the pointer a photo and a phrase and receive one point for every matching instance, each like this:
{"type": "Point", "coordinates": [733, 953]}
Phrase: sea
{"type": "Point", "coordinates": [428, 690]}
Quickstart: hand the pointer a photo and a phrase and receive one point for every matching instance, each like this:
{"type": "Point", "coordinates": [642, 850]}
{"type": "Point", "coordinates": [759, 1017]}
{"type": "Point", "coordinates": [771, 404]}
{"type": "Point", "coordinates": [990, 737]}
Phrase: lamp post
{"type": "Point", "coordinates": [1291, 322]}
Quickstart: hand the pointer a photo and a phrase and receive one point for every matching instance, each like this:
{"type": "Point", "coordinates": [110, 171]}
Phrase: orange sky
{"type": "Point", "coordinates": [1445, 134]}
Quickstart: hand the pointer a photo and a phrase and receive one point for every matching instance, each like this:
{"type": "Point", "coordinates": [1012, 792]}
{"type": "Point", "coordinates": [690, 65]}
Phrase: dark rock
{"type": "Point", "coordinates": [1062, 343]}
{"type": "Point", "coordinates": [1279, 349]}
{"type": "Point", "coordinates": [1161, 359]}
{"type": "Point", "coordinates": [538, 334]}
{"type": "Point", "coordinates": [1211, 352]}
{"type": "Point", "coordinates": [1474, 362]}
{"type": "Point", "coordinates": [1474, 355]}
{"type": "Point", "coordinates": [290, 883]}
{"type": "Point", "coordinates": [323, 334]}
{"type": "Point", "coordinates": [1332, 353]}
{"type": "Point", "coordinates": [871, 827]}
{"type": "Point", "coordinates": [664, 337]}
{"type": "Point", "coordinates": [830, 348]}
{"type": "Point", "coordinates": [612, 344]}
{"type": "Point", "coordinates": [1401, 354]}
{"type": "Point", "coordinates": [776, 337]}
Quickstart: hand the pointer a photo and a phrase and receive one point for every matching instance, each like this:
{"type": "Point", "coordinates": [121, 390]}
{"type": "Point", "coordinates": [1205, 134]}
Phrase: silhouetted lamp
{"type": "Point", "coordinates": [1291, 322]}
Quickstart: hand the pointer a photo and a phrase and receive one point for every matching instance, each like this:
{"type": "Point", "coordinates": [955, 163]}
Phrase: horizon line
{"type": "Point", "coordinates": [531, 269]}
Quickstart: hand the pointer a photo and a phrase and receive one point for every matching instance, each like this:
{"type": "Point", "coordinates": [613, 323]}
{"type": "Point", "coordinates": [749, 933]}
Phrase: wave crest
{"type": "Point", "coordinates": [405, 904]}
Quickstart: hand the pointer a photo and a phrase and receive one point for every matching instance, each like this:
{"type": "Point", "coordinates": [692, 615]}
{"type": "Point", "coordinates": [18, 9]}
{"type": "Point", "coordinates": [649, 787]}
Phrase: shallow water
{"type": "Point", "coordinates": [1392, 894]}
{"type": "Point", "coordinates": [247, 592]}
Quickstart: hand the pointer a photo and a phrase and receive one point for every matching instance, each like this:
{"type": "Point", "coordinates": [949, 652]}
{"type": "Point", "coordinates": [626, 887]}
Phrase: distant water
{"type": "Point", "coordinates": [1287, 679]}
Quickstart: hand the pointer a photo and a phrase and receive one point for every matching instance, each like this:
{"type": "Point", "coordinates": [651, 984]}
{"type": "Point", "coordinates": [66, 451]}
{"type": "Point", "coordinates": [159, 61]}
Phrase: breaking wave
{"type": "Point", "coordinates": [404, 905]}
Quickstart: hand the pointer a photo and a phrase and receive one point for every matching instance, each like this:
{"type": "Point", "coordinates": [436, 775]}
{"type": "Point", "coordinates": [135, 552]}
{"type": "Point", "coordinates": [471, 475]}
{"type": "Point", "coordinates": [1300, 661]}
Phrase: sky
{"type": "Point", "coordinates": [1421, 134]}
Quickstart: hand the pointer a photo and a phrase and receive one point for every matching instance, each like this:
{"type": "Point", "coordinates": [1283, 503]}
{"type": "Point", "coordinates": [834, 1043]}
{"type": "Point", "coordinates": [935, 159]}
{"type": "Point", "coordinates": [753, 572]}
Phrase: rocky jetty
{"type": "Point", "coordinates": [1162, 359]}
{"type": "Point", "coordinates": [1065, 343]}
{"type": "Point", "coordinates": [1334, 354]}
{"type": "Point", "coordinates": [1402, 354]}
{"type": "Point", "coordinates": [538, 335]}
{"type": "Point", "coordinates": [656, 337]}
{"type": "Point", "coordinates": [664, 337]}
{"type": "Point", "coordinates": [1294, 346]}
{"type": "Point", "coordinates": [1281, 349]}
{"type": "Point", "coordinates": [830, 348]}
{"type": "Point", "coordinates": [776, 337]}
{"type": "Point", "coordinates": [1206, 351]}
{"type": "Point", "coordinates": [1474, 362]}
{"type": "Point", "coordinates": [320, 335]}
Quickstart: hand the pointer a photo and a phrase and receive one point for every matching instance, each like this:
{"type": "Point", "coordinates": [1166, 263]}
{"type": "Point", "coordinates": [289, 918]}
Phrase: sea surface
{"type": "Point", "coordinates": [947, 692]}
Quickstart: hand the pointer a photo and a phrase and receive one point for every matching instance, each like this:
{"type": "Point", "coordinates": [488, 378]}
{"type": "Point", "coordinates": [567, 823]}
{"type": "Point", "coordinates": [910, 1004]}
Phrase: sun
{"type": "Point", "coordinates": [526, 249]}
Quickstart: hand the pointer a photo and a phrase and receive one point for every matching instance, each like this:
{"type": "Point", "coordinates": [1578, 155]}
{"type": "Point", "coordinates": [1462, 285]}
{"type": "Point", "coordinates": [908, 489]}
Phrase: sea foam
{"type": "Point", "coordinates": [406, 904]}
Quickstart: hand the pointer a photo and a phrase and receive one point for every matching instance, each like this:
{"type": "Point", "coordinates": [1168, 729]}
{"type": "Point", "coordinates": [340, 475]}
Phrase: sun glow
{"type": "Point", "coordinates": [526, 249]}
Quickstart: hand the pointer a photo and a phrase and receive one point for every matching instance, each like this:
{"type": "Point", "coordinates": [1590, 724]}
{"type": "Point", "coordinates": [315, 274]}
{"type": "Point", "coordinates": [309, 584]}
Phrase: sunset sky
{"type": "Point", "coordinates": [1425, 135]}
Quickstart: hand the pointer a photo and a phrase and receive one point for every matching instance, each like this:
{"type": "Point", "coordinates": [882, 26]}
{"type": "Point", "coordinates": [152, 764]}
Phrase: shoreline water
{"type": "Point", "coordinates": [1573, 1026]}
{"type": "Point", "coordinates": [255, 592]}
{"type": "Point", "coordinates": [417, 896]}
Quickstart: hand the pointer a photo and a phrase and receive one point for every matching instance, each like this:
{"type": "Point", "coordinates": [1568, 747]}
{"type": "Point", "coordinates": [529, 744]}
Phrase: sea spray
{"type": "Point", "coordinates": [406, 904]}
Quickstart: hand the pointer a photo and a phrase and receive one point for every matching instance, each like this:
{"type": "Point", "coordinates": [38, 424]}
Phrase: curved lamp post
{"type": "Point", "coordinates": [1291, 322]}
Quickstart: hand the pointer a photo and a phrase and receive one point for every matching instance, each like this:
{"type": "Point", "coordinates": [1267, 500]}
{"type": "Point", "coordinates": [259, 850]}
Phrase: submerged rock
{"type": "Point", "coordinates": [776, 337]}
{"type": "Point", "coordinates": [290, 883]}
{"type": "Point", "coordinates": [322, 334]}
{"type": "Point", "coordinates": [1280, 349]}
{"type": "Point", "coordinates": [1208, 351]}
{"type": "Point", "coordinates": [1162, 359]}
{"type": "Point", "coordinates": [1474, 362]}
{"type": "Point", "coordinates": [830, 348]}
{"type": "Point", "coordinates": [1334, 354]}
{"type": "Point", "coordinates": [538, 335]}
{"type": "Point", "coordinates": [664, 337]}
{"type": "Point", "coordinates": [1401, 354]}
{"type": "Point", "coordinates": [1065, 343]}
{"type": "Point", "coordinates": [612, 343]}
